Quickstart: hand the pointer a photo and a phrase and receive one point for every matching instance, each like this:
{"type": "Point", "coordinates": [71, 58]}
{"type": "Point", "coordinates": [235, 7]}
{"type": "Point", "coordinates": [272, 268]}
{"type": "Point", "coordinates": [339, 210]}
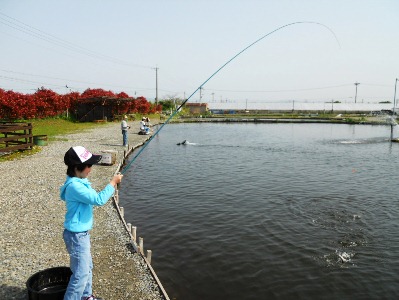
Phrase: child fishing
{"type": "Point", "coordinates": [80, 198]}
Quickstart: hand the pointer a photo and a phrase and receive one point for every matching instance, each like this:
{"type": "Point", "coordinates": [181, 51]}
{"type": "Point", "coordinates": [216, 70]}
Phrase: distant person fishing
{"type": "Point", "coordinates": [124, 128]}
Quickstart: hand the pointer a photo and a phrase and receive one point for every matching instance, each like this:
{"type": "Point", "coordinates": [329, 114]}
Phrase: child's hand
{"type": "Point", "coordinates": [117, 179]}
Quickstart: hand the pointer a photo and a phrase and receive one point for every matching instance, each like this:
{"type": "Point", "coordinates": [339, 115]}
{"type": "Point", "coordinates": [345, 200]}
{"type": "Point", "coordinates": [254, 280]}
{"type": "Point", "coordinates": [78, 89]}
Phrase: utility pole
{"type": "Point", "coordinates": [356, 84]}
{"type": "Point", "coordinates": [393, 122]}
{"type": "Point", "coordinates": [201, 88]}
{"type": "Point", "coordinates": [66, 92]}
{"type": "Point", "coordinates": [156, 85]}
{"type": "Point", "coordinates": [394, 97]}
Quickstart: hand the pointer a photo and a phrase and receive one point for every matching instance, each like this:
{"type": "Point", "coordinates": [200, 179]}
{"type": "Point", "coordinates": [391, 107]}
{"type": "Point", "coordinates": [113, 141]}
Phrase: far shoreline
{"type": "Point", "coordinates": [307, 118]}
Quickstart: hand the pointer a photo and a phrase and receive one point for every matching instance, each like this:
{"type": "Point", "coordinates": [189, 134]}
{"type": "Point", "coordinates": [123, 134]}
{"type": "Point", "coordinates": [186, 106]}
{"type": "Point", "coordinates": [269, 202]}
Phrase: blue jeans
{"type": "Point", "coordinates": [81, 264]}
{"type": "Point", "coordinates": [124, 133]}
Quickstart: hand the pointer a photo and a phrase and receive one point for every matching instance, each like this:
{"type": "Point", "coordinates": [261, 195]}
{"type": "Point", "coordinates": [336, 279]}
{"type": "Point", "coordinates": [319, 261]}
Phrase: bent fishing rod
{"type": "Point", "coordinates": [210, 77]}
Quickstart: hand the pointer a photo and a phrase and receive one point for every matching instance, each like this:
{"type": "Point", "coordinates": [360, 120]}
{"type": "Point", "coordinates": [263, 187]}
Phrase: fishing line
{"type": "Point", "coordinates": [210, 77]}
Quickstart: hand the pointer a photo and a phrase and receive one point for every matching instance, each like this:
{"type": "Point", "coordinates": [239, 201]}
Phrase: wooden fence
{"type": "Point", "coordinates": [15, 136]}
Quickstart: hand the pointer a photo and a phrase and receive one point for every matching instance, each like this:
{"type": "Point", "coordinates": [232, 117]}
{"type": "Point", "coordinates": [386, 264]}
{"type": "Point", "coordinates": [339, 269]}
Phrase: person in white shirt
{"type": "Point", "coordinates": [124, 128]}
{"type": "Point", "coordinates": [143, 127]}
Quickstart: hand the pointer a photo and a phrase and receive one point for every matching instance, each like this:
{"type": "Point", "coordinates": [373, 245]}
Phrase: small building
{"type": "Point", "coordinates": [100, 108]}
{"type": "Point", "coordinates": [197, 108]}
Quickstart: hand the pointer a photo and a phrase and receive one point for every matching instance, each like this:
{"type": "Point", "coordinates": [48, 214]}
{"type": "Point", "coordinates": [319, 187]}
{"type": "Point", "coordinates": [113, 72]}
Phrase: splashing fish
{"type": "Point", "coordinates": [344, 257]}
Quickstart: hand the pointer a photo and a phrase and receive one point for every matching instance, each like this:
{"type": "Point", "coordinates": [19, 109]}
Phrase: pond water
{"type": "Point", "coordinates": [269, 211]}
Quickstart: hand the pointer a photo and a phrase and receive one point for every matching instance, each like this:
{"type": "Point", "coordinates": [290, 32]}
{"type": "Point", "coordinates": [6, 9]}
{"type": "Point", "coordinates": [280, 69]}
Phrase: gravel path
{"type": "Point", "coordinates": [32, 221]}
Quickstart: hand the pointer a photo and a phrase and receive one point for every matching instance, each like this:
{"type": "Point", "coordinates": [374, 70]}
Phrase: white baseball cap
{"type": "Point", "coordinates": [80, 155]}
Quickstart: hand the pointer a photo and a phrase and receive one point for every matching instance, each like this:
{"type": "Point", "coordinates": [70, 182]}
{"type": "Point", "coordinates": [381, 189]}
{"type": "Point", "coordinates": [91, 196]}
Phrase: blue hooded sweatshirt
{"type": "Point", "coordinates": [80, 198]}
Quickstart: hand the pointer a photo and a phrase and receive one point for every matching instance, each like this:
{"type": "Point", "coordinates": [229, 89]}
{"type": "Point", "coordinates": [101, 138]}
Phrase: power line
{"type": "Point", "coordinates": [28, 81]}
{"type": "Point", "coordinates": [37, 33]}
{"type": "Point", "coordinates": [63, 82]}
{"type": "Point", "coordinates": [67, 80]}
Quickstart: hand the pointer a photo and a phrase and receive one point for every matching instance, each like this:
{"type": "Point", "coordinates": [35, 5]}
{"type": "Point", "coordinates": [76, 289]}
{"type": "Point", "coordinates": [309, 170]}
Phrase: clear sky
{"type": "Point", "coordinates": [117, 45]}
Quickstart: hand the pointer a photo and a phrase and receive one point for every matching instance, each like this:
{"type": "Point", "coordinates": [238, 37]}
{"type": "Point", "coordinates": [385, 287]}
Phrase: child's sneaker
{"type": "Point", "coordinates": [92, 297]}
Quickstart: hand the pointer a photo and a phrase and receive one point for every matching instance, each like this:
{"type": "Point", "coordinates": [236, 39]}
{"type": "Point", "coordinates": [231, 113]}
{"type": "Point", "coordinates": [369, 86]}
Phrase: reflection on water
{"type": "Point", "coordinates": [269, 211]}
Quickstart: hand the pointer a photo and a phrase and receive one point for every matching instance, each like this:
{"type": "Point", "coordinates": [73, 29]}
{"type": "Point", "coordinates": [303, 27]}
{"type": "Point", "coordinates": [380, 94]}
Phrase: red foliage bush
{"type": "Point", "coordinates": [47, 103]}
{"type": "Point", "coordinates": [93, 93]}
{"type": "Point", "coordinates": [16, 105]}
{"type": "Point", "coordinates": [122, 95]}
{"type": "Point", "coordinates": [142, 105]}
{"type": "Point", "coordinates": [71, 100]}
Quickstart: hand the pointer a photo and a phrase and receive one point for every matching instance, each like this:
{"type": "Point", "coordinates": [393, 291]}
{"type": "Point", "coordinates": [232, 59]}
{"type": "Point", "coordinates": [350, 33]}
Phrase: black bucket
{"type": "Point", "coordinates": [49, 284]}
